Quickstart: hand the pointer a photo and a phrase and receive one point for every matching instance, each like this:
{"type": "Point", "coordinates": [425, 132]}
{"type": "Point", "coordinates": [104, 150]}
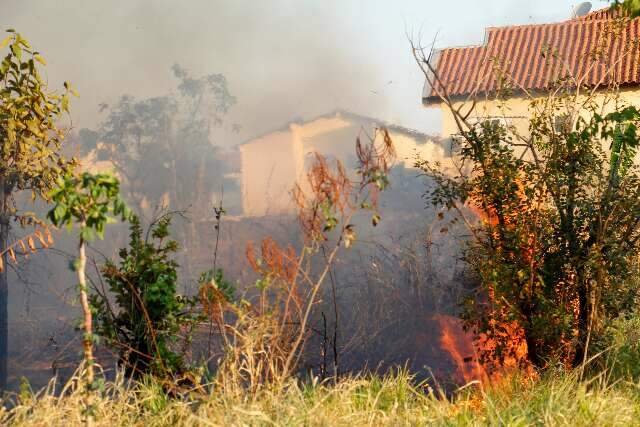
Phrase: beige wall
{"type": "Point", "coordinates": [271, 165]}
{"type": "Point", "coordinates": [332, 137]}
{"type": "Point", "coordinates": [90, 164]}
{"type": "Point", "coordinates": [409, 149]}
{"type": "Point", "coordinates": [516, 111]}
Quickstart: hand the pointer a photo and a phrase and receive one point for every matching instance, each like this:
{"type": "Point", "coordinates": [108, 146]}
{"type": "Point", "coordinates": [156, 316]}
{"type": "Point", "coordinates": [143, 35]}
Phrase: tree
{"type": "Point", "coordinates": [30, 159]}
{"type": "Point", "coordinates": [163, 149]}
{"type": "Point", "coordinates": [162, 146]}
{"type": "Point", "coordinates": [88, 201]}
{"type": "Point", "coordinates": [555, 251]}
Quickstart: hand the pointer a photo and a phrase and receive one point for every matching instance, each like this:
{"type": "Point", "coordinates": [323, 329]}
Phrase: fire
{"type": "Point", "coordinates": [475, 357]}
{"type": "Point", "coordinates": [465, 350]}
{"type": "Point", "coordinates": [460, 346]}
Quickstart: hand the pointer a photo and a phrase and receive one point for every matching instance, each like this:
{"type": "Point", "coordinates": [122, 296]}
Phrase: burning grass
{"type": "Point", "coordinates": [554, 399]}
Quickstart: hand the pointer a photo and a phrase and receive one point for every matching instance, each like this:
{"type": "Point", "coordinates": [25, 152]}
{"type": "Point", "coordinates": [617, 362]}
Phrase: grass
{"type": "Point", "coordinates": [555, 399]}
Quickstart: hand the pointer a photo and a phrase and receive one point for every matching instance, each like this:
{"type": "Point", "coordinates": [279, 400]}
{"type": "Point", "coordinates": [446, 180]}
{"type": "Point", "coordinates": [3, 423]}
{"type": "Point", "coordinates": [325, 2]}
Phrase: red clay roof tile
{"type": "Point", "coordinates": [598, 48]}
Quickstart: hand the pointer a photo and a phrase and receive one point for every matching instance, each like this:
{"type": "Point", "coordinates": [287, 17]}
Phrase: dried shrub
{"type": "Point", "coordinates": [265, 337]}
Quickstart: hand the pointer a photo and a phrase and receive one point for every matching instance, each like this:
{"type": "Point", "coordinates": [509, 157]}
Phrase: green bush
{"type": "Point", "coordinates": [554, 251]}
{"type": "Point", "coordinates": [149, 316]}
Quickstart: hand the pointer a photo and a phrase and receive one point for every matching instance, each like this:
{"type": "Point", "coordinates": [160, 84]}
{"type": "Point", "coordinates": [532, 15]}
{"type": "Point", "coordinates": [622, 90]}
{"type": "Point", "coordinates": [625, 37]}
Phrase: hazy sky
{"type": "Point", "coordinates": [282, 58]}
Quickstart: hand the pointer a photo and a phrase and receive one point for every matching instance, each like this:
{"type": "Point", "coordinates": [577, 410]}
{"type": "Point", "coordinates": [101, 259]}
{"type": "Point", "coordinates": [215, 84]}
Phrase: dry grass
{"type": "Point", "coordinates": [555, 399]}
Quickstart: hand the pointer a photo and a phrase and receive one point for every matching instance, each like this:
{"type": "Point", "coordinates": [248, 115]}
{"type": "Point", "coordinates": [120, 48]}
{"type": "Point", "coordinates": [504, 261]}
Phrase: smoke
{"type": "Point", "coordinates": [282, 58]}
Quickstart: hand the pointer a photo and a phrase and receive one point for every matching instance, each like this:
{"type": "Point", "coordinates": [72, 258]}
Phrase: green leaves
{"type": "Point", "coordinates": [631, 7]}
{"type": "Point", "coordinates": [5, 42]}
{"type": "Point", "coordinates": [39, 58]}
{"type": "Point", "coordinates": [92, 201]}
{"type": "Point", "coordinates": [30, 112]}
{"type": "Point", "coordinates": [553, 217]}
{"type": "Point", "coordinates": [349, 235]}
{"type": "Point", "coordinates": [17, 51]}
{"type": "Point", "coordinates": [150, 315]}
{"type": "Point", "coordinates": [210, 280]}
{"type": "Point", "coordinates": [71, 89]}
{"type": "Point", "coordinates": [74, 265]}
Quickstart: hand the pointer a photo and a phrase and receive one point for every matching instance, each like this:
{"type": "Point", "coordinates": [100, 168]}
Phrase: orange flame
{"type": "Point", "coordinates": [465, 348]}
{"type": "Point", "coordinates": [460, 346]}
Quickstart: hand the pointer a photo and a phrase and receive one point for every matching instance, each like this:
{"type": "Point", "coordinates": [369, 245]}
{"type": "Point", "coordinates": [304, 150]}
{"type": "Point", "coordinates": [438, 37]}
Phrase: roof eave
{"type": "Point", "coordinates": [431, 101]}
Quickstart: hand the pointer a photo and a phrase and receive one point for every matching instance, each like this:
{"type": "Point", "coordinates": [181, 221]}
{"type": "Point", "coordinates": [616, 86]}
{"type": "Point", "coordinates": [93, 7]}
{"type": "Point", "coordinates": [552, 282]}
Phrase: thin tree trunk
{"type": "Point", "coordinates": [4, 289]}
{"type": "Point", "coordinates": [87, 339]}
{"type": "Point", "coordinates": [4, 302]}
{"type": "Point", "coordinates": [583, 324]}
{"type": "Point", "coordinates": [86, 311]}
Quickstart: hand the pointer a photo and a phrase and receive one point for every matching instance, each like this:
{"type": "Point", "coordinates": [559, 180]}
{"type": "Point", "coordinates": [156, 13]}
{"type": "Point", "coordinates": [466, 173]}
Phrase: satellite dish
{"type": "Point", "coordinates": [581, 10]}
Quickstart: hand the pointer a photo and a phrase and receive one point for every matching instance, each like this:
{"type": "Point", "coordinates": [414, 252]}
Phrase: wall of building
{"type": "Point", "coordinates": [269, 167]}
{"type": "Point", "coordinates": [517, 111]}
{"type": "Point", "coordinates": [409, 149]}
{"type": "Point", "coordinates": [272, 164]}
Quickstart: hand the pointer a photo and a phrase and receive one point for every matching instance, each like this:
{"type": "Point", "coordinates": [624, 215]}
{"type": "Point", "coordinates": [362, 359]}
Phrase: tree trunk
{"type": "Point", "coordinates": [4, 288]}
{"type": "Point", "coordinates": [583, 325]}
{"type": "Point", "coordinates": [87, 341]}
{"type": "Point", "coordinates": [4, 302]}
{"type": "Point", "coordinates": [533, 352]}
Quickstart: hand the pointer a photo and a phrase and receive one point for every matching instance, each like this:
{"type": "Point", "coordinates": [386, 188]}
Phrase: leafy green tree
{"type": "Point", "coordinates": [30, 158]}
{"type": "Point", "coordinates": [162, 146]}
{"type": "Point", "coordinates": [164, 149]}
{"type": "Point", "coordinates": [90, 202]}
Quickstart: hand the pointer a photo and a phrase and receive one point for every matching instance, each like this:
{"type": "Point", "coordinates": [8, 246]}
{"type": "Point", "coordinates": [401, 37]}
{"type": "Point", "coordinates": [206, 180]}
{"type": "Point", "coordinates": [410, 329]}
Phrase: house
{"type": "Point", "coordinates": [271, 164]}
{"type": "Point", "coordinates": [593, 50]}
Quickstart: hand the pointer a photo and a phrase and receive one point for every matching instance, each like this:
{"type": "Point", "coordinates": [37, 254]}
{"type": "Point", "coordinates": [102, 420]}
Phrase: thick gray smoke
{"type": "Point", "coordinates": [283, 58]}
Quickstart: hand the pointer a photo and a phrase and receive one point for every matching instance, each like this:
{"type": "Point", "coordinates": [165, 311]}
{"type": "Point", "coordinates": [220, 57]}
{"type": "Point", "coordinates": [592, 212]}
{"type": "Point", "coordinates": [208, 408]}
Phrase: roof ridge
{"type": "Point", "coordinates": [608, 12]}
{"type": "Point", "coordinates": [573, 21]}
{"type": "Point", "coordinates": [340, 112]}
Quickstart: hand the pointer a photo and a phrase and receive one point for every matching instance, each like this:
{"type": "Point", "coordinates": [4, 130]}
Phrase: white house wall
{"type": "Point", "coordinates": [272, 164]}
{"type": "Point", "coordinates": [269, 167]}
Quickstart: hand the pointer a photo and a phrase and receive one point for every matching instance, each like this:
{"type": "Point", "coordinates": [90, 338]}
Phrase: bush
{"type": "Point", "coordinates": [554, 250]}
{"type": "Point", "coordinates": [149, 316]}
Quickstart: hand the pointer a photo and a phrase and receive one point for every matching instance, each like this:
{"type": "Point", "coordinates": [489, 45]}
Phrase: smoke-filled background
{"type": "Point", "coordinates": [283, 60]}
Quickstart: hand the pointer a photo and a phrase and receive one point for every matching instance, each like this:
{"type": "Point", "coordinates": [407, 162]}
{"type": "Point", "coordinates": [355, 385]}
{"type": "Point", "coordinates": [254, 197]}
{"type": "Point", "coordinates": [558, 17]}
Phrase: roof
{"type": "Point", "coordinates": [605, 13]}
{"type": "Point", "coordinates": [350, 116]}
{"type": "Point", "coordinates": [534, 57]}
